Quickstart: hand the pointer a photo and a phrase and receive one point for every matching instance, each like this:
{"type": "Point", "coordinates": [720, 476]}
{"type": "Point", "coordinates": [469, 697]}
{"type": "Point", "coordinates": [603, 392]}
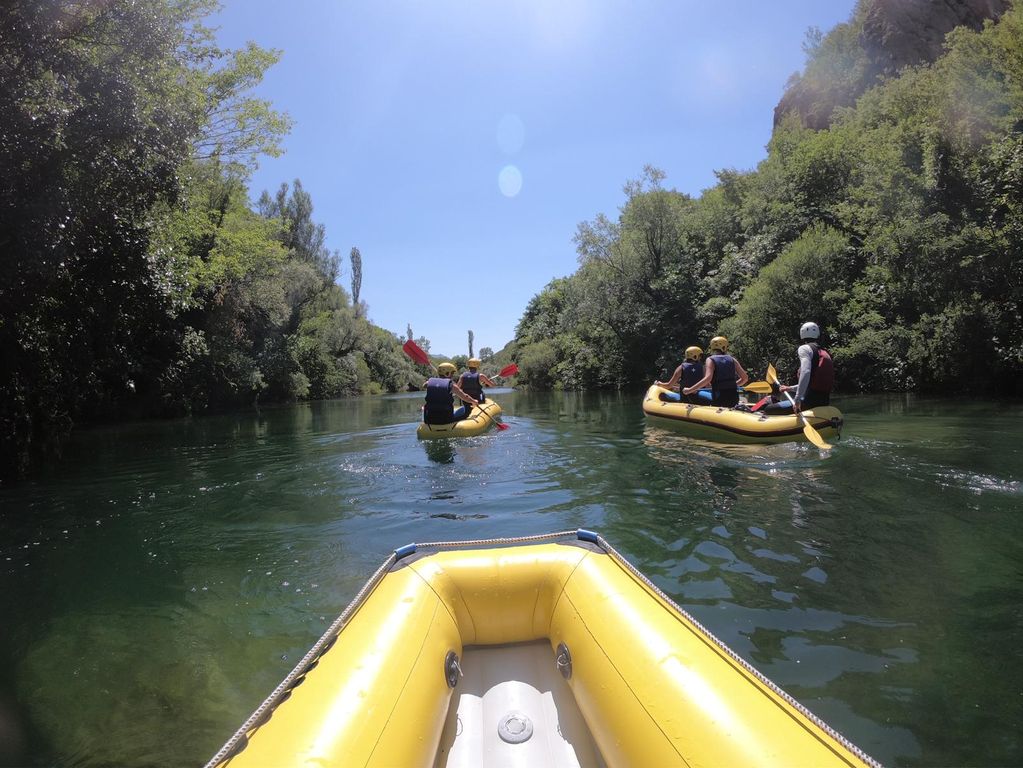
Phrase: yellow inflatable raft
{"type": "Point", "coordinates": [481, 418]}
{"type": "Point", "coordinates": [550, 650]}
{"type": "Point", "coordinates": [735, 426]}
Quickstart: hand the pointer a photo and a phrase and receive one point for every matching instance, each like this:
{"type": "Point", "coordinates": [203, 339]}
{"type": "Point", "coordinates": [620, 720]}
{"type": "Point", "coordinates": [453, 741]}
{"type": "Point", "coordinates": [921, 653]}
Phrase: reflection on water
{"type": "Point", "coordinates": [441, 451]}
{"type": "Point", "coordinates": [165, 577]}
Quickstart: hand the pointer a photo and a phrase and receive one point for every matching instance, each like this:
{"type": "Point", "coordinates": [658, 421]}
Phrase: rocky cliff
{"type": "Point", "coordinates": [889, 35]}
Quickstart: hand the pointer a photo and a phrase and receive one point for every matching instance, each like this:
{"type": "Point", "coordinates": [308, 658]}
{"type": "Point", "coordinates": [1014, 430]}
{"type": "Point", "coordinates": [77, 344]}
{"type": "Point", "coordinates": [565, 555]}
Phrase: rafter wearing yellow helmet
{"type": "Point", "coordinates": [472, 381]}
{"type": "Point", "coordinates": [722, 373]}
{"type": "Point", "coordinates": [440, 397]}
{"type": "Point", "coordinates": [689, 372]}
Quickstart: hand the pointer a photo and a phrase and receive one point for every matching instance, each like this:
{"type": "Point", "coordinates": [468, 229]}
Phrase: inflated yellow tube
{"type": "Point", "coordinates": [653, 686]}
{"type": "Point", "coordinates": [481, 418]}
{"type": "Point", "coordinates": [733, 426]}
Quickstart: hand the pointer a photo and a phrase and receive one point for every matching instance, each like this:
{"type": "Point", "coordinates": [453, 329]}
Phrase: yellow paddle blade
{"type": "Point", "coordinates": [772, 375]}
{"type": "Point", "coordinates": [759, 387]}
{"type": "Point", "coordinates": [814, 436]}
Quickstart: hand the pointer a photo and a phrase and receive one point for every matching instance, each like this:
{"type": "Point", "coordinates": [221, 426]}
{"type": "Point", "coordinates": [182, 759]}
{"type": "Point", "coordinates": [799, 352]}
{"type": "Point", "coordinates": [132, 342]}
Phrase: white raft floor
{"type": "Point", "coordinates": [523, 682]}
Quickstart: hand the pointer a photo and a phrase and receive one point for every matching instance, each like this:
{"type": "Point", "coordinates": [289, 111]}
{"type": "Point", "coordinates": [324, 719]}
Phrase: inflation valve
{"type": "Point", "coordinates": [515, 728]}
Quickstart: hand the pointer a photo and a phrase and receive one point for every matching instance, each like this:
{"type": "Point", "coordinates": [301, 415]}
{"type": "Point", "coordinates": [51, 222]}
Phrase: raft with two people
{"type": "Point", "coordinates": [537, 651]}
{"type": "Point", "coordinates": [479, 419]}
{"type": "Point", "coordinates": [468, 420]}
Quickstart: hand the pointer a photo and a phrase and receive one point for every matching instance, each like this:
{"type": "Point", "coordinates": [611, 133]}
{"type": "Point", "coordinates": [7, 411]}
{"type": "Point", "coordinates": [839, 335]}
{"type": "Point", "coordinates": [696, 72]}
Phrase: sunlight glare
{"type": "Point", "coordinates": [509, 180]}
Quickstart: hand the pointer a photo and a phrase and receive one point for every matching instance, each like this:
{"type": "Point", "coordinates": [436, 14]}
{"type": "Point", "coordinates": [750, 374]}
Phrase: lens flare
{"type": "Point", "coordinates": [509, 180]}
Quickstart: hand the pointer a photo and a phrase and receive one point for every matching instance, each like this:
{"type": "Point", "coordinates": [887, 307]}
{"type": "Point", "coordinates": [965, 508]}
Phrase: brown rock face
{"type": "Point", "coordinates": [897, 33]}
{"type": "Point", "coordinates": [894, 34]}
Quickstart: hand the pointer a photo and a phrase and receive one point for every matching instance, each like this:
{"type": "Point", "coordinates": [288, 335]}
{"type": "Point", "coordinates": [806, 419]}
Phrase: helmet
{"type": "Point", "coordinates": [693, 353]}
{"type": "Point", "coordinates": [474, 362]}
{"type": "Point", "coordinates": [719, 344]}
{"type": "Point", "coordinates": [446, 369]}
{"type": "Point", "coordinates": [809, 331]}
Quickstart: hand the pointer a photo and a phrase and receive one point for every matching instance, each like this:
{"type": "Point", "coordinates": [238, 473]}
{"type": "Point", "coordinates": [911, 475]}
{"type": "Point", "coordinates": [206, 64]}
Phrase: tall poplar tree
{"type": "Point", "coordinates": [356, 259]}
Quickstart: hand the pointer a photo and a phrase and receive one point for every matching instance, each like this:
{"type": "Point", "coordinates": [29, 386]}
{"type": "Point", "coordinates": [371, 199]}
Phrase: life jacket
{"type": "Point", "coordinates": [471, 384]}
{"type": "Point", "coordinates": [822, 370]}
{"type": "Point", "coordinates": [440, 403]}
{"type": "Point", "coordinates": [724, 375]}
{"type": "Point", "coordinates": [691, 373]}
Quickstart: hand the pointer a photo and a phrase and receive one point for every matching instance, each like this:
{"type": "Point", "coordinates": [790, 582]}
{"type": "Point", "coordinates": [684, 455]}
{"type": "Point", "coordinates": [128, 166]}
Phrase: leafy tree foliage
{"type": "Point", "coordinates": [356, 259]}
{"type": "Point", "coordinates": [100, 105]}
{"type": "Point", "coordinates": [138, 280]}
{"type": "Point", "coordinates": [888, 210]}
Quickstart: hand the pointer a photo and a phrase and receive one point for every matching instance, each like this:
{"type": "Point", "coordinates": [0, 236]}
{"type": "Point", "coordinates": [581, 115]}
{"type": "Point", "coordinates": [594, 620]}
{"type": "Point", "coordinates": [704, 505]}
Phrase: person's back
{"type": "Point", "coordinates": [688, 373]}
{"type": "Point", "coordinates": [816, 374]}
{"type": "Point", "coordinates": [692, 372]}
{"type": "Point", "coordinates": [440, 403]}
{"type": "Point", "coordinates": [724, 387]}
{"type": "Point", "coordinates": [471, 384]}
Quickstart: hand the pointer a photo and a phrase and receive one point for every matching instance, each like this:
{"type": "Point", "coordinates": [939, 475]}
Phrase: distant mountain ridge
{"type": "Point", "coordinates": [882, 37]}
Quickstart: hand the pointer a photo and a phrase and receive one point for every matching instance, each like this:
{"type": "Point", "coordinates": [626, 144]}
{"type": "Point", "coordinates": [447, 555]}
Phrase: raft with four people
{"type": "Point", "coordinates": [537, 651]}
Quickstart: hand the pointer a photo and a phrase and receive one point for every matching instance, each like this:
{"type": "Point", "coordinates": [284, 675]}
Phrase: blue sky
{"type": "Point", "coordinates": [459, 144]}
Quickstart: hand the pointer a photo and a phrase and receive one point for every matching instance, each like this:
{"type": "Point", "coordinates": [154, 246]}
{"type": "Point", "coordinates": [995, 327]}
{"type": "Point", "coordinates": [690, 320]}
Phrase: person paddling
{"type": "Point", "coordinates": [723, 373]}
{"type": "Point", "coordinates": [440, 397]}
{"type": "Point", "coordinates": [816, 374]}
{"type": "Point", "coordinates": [687, 374]}
{"type": "Point", "coordinates": [472, 381]}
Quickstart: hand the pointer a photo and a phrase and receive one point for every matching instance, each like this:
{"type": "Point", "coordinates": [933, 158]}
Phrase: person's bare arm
{"type": "Point", "coordinates": [673, 381]}
{"type": "Point", "coordinates": [743, 376]}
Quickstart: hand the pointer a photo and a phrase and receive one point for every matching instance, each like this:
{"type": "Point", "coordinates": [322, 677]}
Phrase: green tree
{"type": "Point", "coordinates": [806, 282]}
{"type": "Point", "coordinates": [305, 238]}
{"type": "Point", "coordinates": [101, 104]}
{"type": "Point", "coordinates": [356, 259]}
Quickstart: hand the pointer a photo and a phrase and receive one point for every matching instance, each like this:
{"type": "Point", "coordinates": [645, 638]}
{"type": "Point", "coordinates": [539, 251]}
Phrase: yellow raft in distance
{"type": "Point", "coordinates": [734, 426]}
{"type": "Point", "coordinates": [481, 418]}
{"type": "Point", "coordinates": [551, 652]}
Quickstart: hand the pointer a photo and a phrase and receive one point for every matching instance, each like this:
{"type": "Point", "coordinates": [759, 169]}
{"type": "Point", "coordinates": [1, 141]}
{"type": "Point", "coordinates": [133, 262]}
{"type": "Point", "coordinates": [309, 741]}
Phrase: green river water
{"type": "Point", "coordinates": [161, 580]}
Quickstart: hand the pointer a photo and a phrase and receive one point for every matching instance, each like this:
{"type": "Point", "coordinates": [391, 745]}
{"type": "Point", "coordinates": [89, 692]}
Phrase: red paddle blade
{"type": "Point", "coordinates": [501, 426]}
{"type": "Point", "coordinates": [509, 370]}
{"type": "Point", "coordinates": [412, 349]}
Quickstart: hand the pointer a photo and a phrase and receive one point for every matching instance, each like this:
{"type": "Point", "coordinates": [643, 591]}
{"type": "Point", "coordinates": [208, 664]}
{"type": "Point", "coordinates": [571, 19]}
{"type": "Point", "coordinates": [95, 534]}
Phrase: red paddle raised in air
{"type": "Point", "coordinates": [412, 349]}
